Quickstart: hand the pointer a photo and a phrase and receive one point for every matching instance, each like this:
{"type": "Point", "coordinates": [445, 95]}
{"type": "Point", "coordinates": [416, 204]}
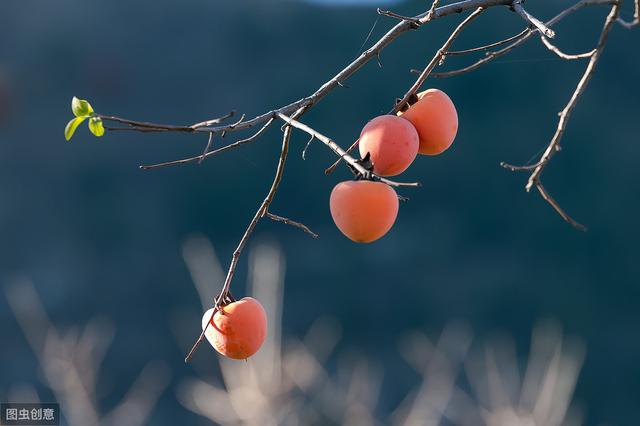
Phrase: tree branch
{"type": "Point", "coordinates": [535, 22]}
{"type": "Point", "coordinates": [529, 32]}
{"type": "Point", "coordinates": [549, 199]}
{"type": "Point", "coordinates": [488, 46]}
{"type": "Point", "coordinates": [636, 17]}
{"type": "Point", "coordinates": [199, 158]}
{"type": "Point", "coordinates": [554, 145]}
{"type": "Point", "coordinates": [580, 88]}
{"type": "Point", "coordinates": [440, 54]}
{"type": "Point", "coordinates": [563, 55]}
{"type": "Point", "coordinates": [288, 221]}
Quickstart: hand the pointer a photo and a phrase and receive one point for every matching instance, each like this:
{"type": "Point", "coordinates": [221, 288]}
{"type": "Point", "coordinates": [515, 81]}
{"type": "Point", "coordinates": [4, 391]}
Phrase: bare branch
{"type": "Point", "coordinates": [332, 167]}
{"type": "Point", "coordinates": [423, 76]}
{"type": "Point", "coordinates": [549, 199]}
{"type": "Point", "coordinates": [214, 152]}
{"type": "Point", "coordinates": [580, 88]}
{"type": "Point", "coordinates": [432, 10]}
{"type": "Point", "coordinates": [488, 46]}
{"type": "Point", "coordinates": [304, 151]}
{"type": "Point", "coordinates": [514, 168]}
{"type": "Point", "coordinates": [287, 221]}
{"type": "Point", "coordinates": [390, 14]}
{"type": "Point", "coordinates": [636, 17]}
{"type": "Point", "coordinates": [141, 125]}
{"type": "Point", "coordinates": [517, 7]}
{"type": "Point", "coordinates": [554, 144]}
{"type": "Point", "coordinates": [322, 91]}
{"type": "Point", "coordinates": [206, 148]}
{"type": "Point", "coordinates": [563, 55]}
{"type": "Point", "coordinates": [492, 55]}
{"type": "Point", "coordinates": [435, 60]}
{"type": "Point", "coordinates": [213, 121]}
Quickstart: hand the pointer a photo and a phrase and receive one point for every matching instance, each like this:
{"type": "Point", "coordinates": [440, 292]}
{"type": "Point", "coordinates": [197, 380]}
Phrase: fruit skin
{"type": "Point", "coordinates": [392, 143]}
{"type": "Point", "coordinates": [435, 118]}
{"type": "Point", "coordinates": [239, 330]}
{"type": "Point", "coordinates": [363, 210]}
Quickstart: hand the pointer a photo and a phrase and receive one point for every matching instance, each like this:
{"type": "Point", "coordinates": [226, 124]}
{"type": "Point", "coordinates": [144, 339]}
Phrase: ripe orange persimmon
{"type": "Point", "coordinates": [392, 143]}
{"type": "Point", "coordinates": [436, 120]}
{"type": "Point", "coordinates": [238, 330]}
{"type": "Point", "coordinates": [363, 210]}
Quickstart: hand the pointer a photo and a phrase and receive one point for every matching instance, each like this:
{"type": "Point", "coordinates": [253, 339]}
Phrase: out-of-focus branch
{"type": "Point", "coordinates": [71, 362]}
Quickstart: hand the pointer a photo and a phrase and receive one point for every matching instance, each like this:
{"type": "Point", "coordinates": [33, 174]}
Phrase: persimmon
{"type": "Point", "coordinates": [435, 118]}
{"type": "Point", "coordinates": [238, 330]}
{"type": "Point", "coordinates": [391, 142]}
{"type": "Point", "coordinates": [363, 210]}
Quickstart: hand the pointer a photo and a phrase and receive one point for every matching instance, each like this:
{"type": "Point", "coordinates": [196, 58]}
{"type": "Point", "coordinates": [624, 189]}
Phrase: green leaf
{"type": "Point", "coordinates": [72, 126]}
{"type": "Point", "coordinates": [81, 108]}
{"type": "Point", "coordinates": [96, 127]}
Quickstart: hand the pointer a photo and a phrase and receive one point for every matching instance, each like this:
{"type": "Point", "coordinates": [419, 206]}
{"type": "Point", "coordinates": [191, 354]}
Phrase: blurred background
{"type": "Point", "coordinates": [98, 259]}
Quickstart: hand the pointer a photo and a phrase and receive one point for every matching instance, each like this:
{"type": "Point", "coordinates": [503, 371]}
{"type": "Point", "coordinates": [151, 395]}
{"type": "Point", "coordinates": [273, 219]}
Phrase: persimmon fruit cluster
{"type": "Point", "coordinates": [365, 210]}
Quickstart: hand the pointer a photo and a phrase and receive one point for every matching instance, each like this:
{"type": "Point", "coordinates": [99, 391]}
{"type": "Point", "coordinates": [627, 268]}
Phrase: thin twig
{"type": "Point", "coordinates": [332, 167]}
{"type": "Point", "coordinates": [394, 15]}
{"type": "Point", "coordinates": [206, 148]}
{"type": "Point", "coordinates": [549, 199]}
{"type": "Point", "coordinates": [139, 125]}
{"type": "Point", "coordinates": [563, 55]}
{"type": "Point", "coordinates": [636, 17]}
{"type": "Point", "coordinates": [580, 88]}
{"type": "Point", "coordinates": [432, 10]}
{"type": "Point", "coordinates": [493, 55]}
{"type": "Point", "coordinates": [517, 7]}
{"type": "Point", "coordinates": [435, 60]}
{"type": "Point", "coordinates": [214, 152]}
{"type": "Point", "coordinates": [214, 121]}
{"type": "Point", "coordinates": [514, 168]}
{"type": "Point", "coordinates": [304, 151]}
{"type": "Point", "coordinates": [554, 144]}
{"type": "Point", "coordinates": [488, 46]}
{"type": "Point", "coordinates": [288, 221]}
